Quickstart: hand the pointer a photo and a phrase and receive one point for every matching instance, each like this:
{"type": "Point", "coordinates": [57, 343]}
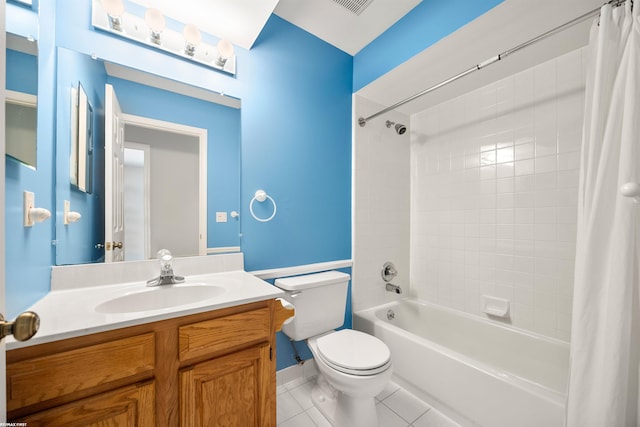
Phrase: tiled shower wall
{"type": "Point", "coordinates": [494, 195]}
{"type": "Point", "coordinates": [380, 205]}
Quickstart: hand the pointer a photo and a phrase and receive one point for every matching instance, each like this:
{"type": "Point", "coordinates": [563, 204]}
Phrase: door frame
{"type": "Point", "coordinates": [3, 71]}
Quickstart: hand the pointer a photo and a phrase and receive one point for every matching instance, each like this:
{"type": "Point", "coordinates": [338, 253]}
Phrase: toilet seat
{"type": "Point", "coordinates": [354, 352]}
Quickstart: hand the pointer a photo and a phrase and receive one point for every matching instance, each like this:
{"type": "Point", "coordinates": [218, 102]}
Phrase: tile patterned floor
{"type": "Point", "coordinates": [396, 407]}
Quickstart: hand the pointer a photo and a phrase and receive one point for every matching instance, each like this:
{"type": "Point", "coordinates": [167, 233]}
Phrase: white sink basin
{"type": "Point", "coordinates": [160, 297]}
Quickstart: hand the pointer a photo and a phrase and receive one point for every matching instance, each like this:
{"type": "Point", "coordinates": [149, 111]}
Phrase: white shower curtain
{"type": "Point", "coordinates": [605, 342]}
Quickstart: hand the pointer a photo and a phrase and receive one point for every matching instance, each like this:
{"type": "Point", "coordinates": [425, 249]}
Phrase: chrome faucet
{"type": "Point", "coordinates": [393, 288]}
{"type": "Point", "coordinates": [388, 273]}
{"type": "Point", "coordinates": [166, 270]}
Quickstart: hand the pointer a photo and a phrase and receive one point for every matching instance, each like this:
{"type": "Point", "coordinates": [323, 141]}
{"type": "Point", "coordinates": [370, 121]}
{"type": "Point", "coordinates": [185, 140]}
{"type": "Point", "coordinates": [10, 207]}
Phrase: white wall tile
{"type": "Point", "coordinates": [382, 200]}
{"type": "Point", "coordinates": [505, 194]}
{"type": "Point", "coordinates": [523, 167]}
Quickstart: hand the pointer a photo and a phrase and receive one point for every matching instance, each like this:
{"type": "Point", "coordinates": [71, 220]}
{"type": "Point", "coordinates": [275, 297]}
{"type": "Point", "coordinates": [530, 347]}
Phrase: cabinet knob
{"type": "Point", "coordinates": [23, 328]}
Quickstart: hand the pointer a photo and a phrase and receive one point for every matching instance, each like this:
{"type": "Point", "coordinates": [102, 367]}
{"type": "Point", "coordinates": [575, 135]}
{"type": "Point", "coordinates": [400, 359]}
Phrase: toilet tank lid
{"type": "Point", "coordinates": [307, 281]}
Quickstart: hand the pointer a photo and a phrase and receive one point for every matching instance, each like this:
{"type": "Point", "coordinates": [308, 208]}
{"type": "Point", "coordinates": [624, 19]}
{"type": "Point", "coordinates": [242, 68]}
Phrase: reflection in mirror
{"type": "Point", "coordinates": [154, 189]}
{"type": "Point", "coordinates": [81, 140]}
{"type": "Point", "coordinates": [85, 241]}
{"type": "Point", "coordinates": [21, 99]}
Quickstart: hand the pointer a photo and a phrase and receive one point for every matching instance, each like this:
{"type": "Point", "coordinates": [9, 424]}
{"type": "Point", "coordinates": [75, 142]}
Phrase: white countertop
{"type": "Point", "coordinates": [72, 312]}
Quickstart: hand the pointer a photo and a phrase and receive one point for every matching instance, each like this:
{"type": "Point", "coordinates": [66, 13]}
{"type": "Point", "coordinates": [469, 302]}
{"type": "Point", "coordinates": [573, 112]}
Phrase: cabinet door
{"type": "Point", "coordinates": [229, 391]}
{"type": "Point", "coordinates": [132, 406]}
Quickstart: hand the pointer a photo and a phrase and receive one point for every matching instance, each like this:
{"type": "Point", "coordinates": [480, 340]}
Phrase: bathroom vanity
{"type": "Point", "coordinates": [210, 362]}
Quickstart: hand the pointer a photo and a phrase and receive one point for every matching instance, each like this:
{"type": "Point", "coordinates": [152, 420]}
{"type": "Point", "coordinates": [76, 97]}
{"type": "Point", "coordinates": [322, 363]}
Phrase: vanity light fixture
{"type": "Point", "coordinates": [151, 28]}
{"type": "Point", "coordinates": [156, 22]}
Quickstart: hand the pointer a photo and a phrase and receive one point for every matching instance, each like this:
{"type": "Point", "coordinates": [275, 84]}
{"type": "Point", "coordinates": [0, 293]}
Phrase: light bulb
{"type": "Point", "coordinates": [225, 51]}
{"type": "Point", "coordinates": [113, 7]}
{"type": "Point", "coordinates": [192, 38]}
{"type": "Point", "coordinates": [156, 22]}
{"type": "Point", "coordinates": [115, 10]}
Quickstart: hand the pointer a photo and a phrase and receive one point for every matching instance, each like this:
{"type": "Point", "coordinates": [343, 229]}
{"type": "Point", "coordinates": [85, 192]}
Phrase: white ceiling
{"type": "Point", "coordinates": [241, 21]}
{"type": "Point", "coordinates": [340, 27]}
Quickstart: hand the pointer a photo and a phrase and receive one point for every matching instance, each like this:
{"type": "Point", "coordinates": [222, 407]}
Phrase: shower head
{"type": "Point", "coordinates": [400, 128]}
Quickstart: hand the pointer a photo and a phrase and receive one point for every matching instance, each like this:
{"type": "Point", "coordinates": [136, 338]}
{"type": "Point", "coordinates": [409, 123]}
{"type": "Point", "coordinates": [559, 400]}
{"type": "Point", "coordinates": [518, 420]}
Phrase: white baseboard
{"type": "Point", "coordinates": [295, 372]}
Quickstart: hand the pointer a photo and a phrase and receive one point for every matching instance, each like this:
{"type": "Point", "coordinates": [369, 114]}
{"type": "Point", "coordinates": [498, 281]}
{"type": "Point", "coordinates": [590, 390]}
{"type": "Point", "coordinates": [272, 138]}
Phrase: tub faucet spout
{"type": "Point", "coordinates": [393, 288]}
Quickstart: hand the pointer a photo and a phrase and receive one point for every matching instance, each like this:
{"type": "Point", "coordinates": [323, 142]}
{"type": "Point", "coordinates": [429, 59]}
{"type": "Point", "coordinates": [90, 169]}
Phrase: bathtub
{"type": "Point", "coordinates": [491, 375]}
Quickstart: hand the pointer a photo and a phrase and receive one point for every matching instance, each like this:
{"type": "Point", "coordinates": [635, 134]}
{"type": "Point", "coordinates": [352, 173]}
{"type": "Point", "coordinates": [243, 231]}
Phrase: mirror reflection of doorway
{"type": "Point", "coordinates": [136, 200]}
{"type": "Point", "coordinates": [176, 212]}
{"type": "Point", "coordinates": [161, 182]}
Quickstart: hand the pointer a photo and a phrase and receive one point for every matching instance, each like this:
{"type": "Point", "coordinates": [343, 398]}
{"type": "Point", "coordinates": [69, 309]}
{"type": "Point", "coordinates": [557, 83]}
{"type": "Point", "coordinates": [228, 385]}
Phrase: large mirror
{"type": "Point", "coordinates": [172, 156]}
{"type": "Point", "coordinates": [21, 100]}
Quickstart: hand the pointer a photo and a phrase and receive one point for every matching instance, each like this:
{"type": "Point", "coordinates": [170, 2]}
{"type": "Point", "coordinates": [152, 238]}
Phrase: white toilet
{"type": "Point", "coordinates": [353, 366]}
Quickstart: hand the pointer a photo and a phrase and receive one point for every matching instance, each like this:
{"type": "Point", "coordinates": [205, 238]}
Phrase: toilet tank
{"type": "Point", "coordinates": [320, 300]}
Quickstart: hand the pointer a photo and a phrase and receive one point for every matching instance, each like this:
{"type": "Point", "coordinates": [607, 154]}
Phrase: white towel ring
{"type": "Point", "coordinates": [261, 196]}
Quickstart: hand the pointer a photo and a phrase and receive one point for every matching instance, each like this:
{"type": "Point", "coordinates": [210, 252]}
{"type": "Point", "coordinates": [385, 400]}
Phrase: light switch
{"type": "Point", "coordinates": [33, 214]}
{"type": "Point", "coordinates": [221, 217]}
{"type": "Point", "coordinates": [28, 204]}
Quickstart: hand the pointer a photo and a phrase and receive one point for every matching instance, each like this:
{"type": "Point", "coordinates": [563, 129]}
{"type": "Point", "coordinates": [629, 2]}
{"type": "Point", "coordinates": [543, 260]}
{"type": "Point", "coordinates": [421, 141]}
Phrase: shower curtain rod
{"type": "Point", "coordinates": [363, 120]}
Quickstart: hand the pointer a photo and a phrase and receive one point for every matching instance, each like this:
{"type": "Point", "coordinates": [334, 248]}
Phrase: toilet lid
{"type": "Point", "coordinates": [354, 352]}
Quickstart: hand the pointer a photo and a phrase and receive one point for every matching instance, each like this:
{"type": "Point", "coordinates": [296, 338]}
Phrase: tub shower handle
{"type": "Point", "coordinates": [388, 271]}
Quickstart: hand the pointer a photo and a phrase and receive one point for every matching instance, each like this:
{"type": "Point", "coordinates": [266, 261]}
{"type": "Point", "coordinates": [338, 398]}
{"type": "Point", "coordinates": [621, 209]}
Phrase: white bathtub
{"type": "Point", "coordinates": [492, 375]}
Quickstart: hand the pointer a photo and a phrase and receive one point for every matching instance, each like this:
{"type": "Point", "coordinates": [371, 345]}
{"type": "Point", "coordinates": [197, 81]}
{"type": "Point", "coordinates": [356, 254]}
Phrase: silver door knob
{"type": "Point", "coordinates": [23, 328]}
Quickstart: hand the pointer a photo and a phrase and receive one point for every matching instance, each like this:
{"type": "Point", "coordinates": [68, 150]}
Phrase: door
{"type": "Point", "coordinates": [113, 178]}
{"type": "Point", "coordinates": [3, 70]}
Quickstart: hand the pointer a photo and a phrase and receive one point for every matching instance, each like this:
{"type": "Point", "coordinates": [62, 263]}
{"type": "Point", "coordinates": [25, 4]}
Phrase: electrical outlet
{"type": "Point", "coordinates": [221, 217]}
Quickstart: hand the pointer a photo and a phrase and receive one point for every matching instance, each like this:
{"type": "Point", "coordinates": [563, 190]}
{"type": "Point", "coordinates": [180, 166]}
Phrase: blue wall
{"type": "Point", "coordinates": [427, 23]}
{"type": "Point", "coordinates": [76, 242]}
{"type": "Point", "coordinates": [297, 147]}
{"type": "Point", "coordinates": [29, 251]}
{"type": "Point", "coordinates": [22, 76]}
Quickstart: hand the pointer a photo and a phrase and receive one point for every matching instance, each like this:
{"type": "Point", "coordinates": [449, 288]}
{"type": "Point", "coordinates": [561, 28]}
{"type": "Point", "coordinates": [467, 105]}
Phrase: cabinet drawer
{"type": "Point", "coordinates": [211, 336]}
{"type": "Point", "coordinates": [132, 406]}
{"type": "Point", "coordinates": [39, 379]}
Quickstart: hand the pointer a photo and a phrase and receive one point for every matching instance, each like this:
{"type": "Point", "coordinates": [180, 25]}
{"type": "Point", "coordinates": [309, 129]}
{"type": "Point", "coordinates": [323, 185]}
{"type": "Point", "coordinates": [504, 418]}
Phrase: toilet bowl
{"type": "Point", "coordinates": [353, 366]}
{"type": "Point", "coordinates": [356, 367]}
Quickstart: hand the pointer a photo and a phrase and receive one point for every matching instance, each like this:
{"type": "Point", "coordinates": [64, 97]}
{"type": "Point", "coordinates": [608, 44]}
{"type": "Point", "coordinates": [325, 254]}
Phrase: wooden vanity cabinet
{"type": "Point", "coordinates": [214, 369]}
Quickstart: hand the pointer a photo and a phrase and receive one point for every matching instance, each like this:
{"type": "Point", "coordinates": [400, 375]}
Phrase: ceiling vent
{"type": "Point", "coordinates": [354, 6]}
